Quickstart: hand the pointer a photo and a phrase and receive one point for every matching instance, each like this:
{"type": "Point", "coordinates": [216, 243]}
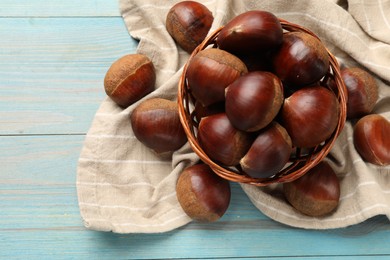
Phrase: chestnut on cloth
{"type": "Point", "coordinates": [123, 187]}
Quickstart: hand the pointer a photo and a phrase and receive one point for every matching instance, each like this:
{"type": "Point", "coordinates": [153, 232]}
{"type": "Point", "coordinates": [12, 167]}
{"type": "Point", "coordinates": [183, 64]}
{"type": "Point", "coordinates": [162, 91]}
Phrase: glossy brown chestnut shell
{"type": "Point", "coordinates": [129, 79]}
{"type": "Point", "coordinates": [316, 193]}
{"type": "Point", "coordinates": [203, 195]}
{"type": "Point", "coordinates": [371, 137]}
{"type": "Point", "coordinates": [156, 124]}
{"type": "Point", "coordinates": [301, 60]}
{"type": "Point", "coordinates": [253, 100]}
{"type": "Point", "coordinates": [269, 153]}
{"type": "Point", "coordinates": [250, 32]}
{"type": "Point", "coordinates": [310, 115]}
{"type": "Point", "coordinates": [188, 22]}
{"type": "Point", "coordinates": [210, 72]}
{"type": "Point", "coordinates": [221, 141]}
{"type": "Point", "coordinates": [362, 91]}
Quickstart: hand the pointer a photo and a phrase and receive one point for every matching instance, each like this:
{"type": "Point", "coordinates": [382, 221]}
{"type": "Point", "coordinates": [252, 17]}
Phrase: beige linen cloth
{"type": "Point", "coordinates": [123, 187]}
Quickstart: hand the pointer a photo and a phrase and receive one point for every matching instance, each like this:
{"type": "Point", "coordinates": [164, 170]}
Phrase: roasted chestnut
{"type": "Point", "coordinates": [316, 193]}
{"type": "Point", "coordinates": [310, 115]}
{"type": "Point", "coordinates": [129, 79]}
{"type": "Point", "coordinates": [188, 22]}
{"type": "Point", "coordinates": [221, 141]}
{"type": "Point", "coordinates": [156, 124]}
{"type": "Point", "coordinates": [371, 137]}
{"type": "Point", "coordinates": [269, 153]}
{"type": "Point", "coordinates": [253, 100]}
{"type": "Point", "coordinates": [301, 60]}
{"type": "Point", "coordinates": [210, 72]}
{"type": "Point", "coordinates": [203, 195]}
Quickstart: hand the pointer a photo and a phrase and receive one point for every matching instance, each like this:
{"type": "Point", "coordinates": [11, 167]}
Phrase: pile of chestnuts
{"type": "Point", "coordinates": [253, 118]}
{"type": "Point", "coordinates": [259, 95]}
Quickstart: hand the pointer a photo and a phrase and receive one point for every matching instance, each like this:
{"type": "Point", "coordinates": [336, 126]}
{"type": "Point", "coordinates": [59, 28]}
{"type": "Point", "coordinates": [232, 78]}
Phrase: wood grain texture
{"type": "Point", "coordinates": [53, 57]}
{"type": "Point", "coordinates": [69, 8]}
{"type": "Point", "coordinates": [40, 217]}
{"type": "Point", "coordinates": [52, 71]}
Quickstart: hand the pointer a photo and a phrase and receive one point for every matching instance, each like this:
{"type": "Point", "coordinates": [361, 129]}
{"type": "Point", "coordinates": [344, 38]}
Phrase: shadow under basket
{"type": "Point", "coordinates": [300, 162]}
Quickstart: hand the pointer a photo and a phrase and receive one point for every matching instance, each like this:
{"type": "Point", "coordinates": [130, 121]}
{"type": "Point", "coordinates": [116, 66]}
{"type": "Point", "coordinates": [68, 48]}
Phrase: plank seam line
{"type": "Point", "coordinates": [58, 17]}
{"type": "Point", "coordinates": [54, 134]}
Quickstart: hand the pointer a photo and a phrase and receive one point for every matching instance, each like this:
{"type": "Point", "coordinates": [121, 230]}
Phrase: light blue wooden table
{"type": "Point", "coordinates": [53, 57]}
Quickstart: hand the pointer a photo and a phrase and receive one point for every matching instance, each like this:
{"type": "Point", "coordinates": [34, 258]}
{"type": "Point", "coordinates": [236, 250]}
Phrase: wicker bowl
{"type": "Point", "coordinates": [300, 162]}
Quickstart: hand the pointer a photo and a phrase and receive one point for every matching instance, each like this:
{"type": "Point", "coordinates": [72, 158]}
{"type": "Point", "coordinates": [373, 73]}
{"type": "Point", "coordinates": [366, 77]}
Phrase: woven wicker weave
{"type": "Point", "coordinates": [301, 162]}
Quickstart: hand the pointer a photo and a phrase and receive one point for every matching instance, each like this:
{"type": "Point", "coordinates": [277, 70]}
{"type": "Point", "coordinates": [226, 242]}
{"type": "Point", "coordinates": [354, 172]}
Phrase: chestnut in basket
{"type": "Point", "coordinates": [371, 137]}
{"type": "Point", "coordinates": [221, 141]}
{"type": "Point", "coordinates": [301, 60]}
{"type": "Point", "coordinates": [250, 32]}
{"type": "Point", "coordinates": [210, 72]}
{"type": "Point", "coordinates": [253, 100]}
{"type": "Point", "coordinates": [129, 79]}
{"type": "Point", "coordinates": [362, 91]}
{"type": "Point", "coordinates": [188, 22]}
{"type": "Point", "coordinates": [156, 124]}
{"type": "Point", "coordinates": [310, 115]}
{"type": "Point", "coordinates": [202, 194]}
{"type": "Point", "coordinates": [269, 153]}
{"type": "Point", "coordinates": [316, 193]}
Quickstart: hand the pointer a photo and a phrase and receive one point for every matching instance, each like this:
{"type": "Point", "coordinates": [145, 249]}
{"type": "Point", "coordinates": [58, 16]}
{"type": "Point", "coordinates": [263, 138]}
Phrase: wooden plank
{"type": "Point", "coordinates": [39, 218]}
{"type": "Point", "coordinates": [52, 71]}
{"type": "Point", "coordinates": [39, 8]}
